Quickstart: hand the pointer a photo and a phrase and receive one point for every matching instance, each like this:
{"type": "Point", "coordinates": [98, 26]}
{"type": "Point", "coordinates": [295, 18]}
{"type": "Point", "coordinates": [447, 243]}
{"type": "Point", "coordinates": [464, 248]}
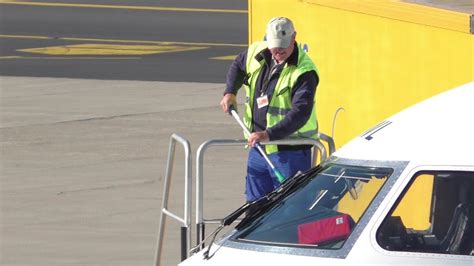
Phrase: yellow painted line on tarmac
{"type": "Point", "coordinates": [121, 41]}
{"type": "Point", "coordinates": [26, 37]}
{"type": "Point", "coordinates": [109, 49]}
{"type": "Point", "coordinates": [68, 58]}
{"type": "Point", "coordinates": [154, 42]}
{"type": "Point", "coordinates": [155, 8]}
{"type": "Point", "coordinates": [227, 57]}
{"type": "Point", "coordinates": [10, 57]}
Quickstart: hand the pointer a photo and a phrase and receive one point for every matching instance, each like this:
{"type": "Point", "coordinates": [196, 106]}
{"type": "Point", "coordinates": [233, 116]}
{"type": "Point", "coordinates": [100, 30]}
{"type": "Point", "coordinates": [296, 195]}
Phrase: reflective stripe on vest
{"type": "Point", "coordinates": [280, 103]}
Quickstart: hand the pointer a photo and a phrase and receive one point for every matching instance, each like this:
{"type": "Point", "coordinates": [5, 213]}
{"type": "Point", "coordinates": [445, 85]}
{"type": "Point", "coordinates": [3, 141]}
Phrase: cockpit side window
{"type": "Point", "coordinates": [435, 214]}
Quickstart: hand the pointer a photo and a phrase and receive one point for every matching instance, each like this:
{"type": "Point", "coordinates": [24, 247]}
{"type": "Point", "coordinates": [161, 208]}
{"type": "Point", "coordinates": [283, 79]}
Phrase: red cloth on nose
{"type": "Point", "coordinates": [324, 230]}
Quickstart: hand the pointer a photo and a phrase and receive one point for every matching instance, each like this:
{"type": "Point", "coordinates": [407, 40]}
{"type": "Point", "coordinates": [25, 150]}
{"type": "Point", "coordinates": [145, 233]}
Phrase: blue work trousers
{"type": "Point", "coordinates": [261, 179]}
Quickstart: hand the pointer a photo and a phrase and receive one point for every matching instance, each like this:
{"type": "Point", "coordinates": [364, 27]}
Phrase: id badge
{"type": "Point", "coordinates": [262, 101]}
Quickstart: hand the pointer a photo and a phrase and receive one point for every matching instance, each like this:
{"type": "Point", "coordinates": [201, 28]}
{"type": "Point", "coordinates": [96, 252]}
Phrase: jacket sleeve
{"type": "Point", "coordinates": [302, 101]}
{"type": "Point", "coordinates": [236, 73]}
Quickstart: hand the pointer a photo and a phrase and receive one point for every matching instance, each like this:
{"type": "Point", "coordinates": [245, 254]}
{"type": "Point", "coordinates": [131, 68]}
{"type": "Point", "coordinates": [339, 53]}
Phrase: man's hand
{"type": "Point", "coordinates": [258, 137]}
{"type": "Point", "coordinates": [228, 100]}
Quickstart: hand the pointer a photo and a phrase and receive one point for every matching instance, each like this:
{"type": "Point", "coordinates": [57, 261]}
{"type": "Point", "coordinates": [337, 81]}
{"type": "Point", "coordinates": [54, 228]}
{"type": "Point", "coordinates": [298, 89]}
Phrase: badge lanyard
{"type": "Point", "coordinates": [262, 101]}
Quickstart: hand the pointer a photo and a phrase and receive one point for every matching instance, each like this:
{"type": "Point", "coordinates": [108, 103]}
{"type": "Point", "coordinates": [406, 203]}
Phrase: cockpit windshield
{"type": "Point", "coordinates": [321, 212]}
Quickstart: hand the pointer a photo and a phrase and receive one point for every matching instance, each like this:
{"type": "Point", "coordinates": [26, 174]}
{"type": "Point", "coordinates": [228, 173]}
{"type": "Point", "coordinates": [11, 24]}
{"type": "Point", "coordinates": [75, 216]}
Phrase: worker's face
{"type": "Point", "coordinates": [281, 54]}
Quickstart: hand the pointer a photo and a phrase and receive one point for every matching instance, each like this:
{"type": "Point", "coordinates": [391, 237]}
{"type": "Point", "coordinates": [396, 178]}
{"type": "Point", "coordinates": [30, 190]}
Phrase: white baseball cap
{"type": "Point", "coordinates": [280, 30]}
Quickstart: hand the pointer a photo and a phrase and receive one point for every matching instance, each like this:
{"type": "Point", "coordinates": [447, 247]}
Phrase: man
{"type": "Point", "coordinates": [280, 82]}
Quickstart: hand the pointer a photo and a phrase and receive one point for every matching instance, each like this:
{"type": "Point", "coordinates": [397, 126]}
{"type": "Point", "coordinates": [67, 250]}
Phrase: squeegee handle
{"type": "Point", "coordinates": [237, 118]}
{"type": "Point", "coordinates": [233, 113]}
{"type": "Point", "coordinates": [278, 174]}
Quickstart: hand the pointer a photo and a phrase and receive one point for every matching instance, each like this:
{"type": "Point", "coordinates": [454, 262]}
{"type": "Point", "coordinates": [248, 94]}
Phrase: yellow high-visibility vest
{"type": "Point", "coordinates": [280, 103]}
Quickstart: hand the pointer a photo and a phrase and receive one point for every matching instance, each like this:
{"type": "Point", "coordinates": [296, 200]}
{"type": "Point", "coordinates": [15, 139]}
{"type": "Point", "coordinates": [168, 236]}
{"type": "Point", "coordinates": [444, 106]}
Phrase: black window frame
{"type": "Point", "coordinates": [438, 175]}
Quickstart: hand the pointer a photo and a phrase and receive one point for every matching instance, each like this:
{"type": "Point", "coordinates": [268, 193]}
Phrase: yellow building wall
{"type": "Point", "coordinates": [374, 57]}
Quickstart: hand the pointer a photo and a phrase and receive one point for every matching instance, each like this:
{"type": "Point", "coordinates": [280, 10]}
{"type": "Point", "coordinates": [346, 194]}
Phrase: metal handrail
{"type": "Point", "coordinates": [329, 141]}
{"type": "Point", "coordinates": [200, 221]}
{"type": "Point", "coordinates": [186, 220]}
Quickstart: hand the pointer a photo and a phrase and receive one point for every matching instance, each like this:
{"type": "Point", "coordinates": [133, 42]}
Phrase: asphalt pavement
{"type": "Point", "coordinates": [84, 136]}
{"type": "Point", "coordinates": [127, 40]}
{"type": "Point", "coordinates": [83, 164]}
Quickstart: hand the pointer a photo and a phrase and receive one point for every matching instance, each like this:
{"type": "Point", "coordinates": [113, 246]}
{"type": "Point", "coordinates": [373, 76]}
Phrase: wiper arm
{"type": "Point", "coordinates": [229, 219]}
